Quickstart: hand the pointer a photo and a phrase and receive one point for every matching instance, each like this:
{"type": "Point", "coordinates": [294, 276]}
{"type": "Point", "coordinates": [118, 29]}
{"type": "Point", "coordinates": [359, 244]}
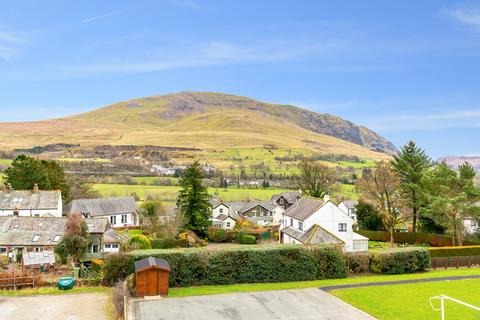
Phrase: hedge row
{"type": "Point", "coordinates": [221, 235]}
{"type": "Point", "coordinates": [397, 261]}
{"type": "Point", "coordinates": [412, 238]}
{"type": "Point", "coordinates": [455, 251]}
{"type": "Point", "coordinates": [194, 267]}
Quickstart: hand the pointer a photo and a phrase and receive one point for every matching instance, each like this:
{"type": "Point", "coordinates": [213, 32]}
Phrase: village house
{"type": "Point", "coordinates": [286, 199]}
{"type": "Point", "coordinates": [350, 208]}
{"type": "Point", "coordinates": [315, 221]}
{"type": "Point", "coordinates": [264, 213]}
{"type": "Point", "coordinates": [120, 212]}
{"type": "Point", "coordinates": [471, 224]}
{"type": "Point", "coordinates": [34, 234]}
{"type": "Point", "coordinates": [30, 203]}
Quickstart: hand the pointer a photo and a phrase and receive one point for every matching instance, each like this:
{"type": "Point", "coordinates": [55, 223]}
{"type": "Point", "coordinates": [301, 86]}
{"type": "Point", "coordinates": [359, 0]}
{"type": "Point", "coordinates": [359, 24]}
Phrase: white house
{"type": "Point", "coordinates": [350, 208]}
{"type": "Point", "coordinates": [120, 212]}
{"type": "Point", "coordinates": [226, 214]}
{"type": "Point", "coordinates": [471, 225]}
{"type": "Point", "coordinates": [315, 221]}
{"type": "Point", "coordinates": [31, 203]}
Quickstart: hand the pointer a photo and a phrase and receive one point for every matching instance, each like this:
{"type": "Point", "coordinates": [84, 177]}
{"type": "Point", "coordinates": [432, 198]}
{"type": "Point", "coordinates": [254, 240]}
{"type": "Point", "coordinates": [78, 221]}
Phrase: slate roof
{"type": "Point", "coordinates": [22, 231]}
{"type": "Point", "coordinates": [289, 196]}
{"type": "Point", "coordinates": [315, 234]}
{"type": "Point", "coordinates": [350, 204]}
{"type": "Point", "coordinates": [151, 262]}
{"type": "Point", "coordinates": [304, 208]}
{"type": "Point", "coordinates": [29, 200]}
{"type": "Point", "coordinates": [249, 205]}
{"type": "Point", "coordinates": [102, 206]}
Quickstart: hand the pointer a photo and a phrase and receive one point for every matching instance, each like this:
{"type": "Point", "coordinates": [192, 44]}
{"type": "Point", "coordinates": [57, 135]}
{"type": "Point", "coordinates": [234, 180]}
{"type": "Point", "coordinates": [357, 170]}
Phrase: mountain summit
{"type": "Point", "coordinates": [201, 120]}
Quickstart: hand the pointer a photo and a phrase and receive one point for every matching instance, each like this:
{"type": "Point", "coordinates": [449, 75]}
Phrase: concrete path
{"type": "Point", "coordinates": [283, 304]}
{"type": "Point", "coordinates": [388, 283]}
{"type": "Point", "coordinates": [85, 306]}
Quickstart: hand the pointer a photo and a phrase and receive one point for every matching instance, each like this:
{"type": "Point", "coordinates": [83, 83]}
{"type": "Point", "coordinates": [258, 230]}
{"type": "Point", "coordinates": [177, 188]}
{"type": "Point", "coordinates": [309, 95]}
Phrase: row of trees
{"type": "Point", "coordinates": [412, 187]}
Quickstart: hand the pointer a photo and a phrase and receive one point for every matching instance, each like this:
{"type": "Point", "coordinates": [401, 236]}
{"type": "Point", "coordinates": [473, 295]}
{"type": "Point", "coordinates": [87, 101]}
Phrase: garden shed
{"type": "Point", "coordinates": [152, 277]}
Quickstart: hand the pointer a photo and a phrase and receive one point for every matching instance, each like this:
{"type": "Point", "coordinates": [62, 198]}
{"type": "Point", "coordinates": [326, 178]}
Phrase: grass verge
{"type": "Point", "coordinates": [205, 290]}
{"type": "Point", "coordinates": [52, 291]}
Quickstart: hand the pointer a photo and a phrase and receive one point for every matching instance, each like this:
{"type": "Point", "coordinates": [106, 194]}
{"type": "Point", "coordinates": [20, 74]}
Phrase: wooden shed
{"type": "Point", "coordinates": [152, 277]}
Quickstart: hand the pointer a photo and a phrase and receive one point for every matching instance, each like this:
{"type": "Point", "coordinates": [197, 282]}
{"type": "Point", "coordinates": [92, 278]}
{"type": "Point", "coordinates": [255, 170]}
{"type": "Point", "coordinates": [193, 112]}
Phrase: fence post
{"type": "Point", "coordinates": [442, 304]}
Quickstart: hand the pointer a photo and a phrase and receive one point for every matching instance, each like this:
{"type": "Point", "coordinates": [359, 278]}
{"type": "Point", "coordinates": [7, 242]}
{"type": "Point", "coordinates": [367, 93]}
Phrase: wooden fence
{"type": "Point", "coordinates": [455, 262]}
{"type": "Point", "coordinates": [17, 282]}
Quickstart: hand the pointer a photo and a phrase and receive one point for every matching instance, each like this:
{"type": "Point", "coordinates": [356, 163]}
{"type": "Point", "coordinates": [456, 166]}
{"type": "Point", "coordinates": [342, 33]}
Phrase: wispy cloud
{"type": "Point", "coordinates": [9, 45]}
{"type": "Point", "coordinates": [102, 16]}
{"type": "Point", "coordinates": [468, 15]}
{"type": "Point", "coordinates": [432, 121]}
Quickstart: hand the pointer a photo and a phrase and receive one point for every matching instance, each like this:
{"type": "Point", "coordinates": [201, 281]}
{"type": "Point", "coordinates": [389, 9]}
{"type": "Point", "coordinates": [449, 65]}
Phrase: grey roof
{"type": "Point", "coordinates": [38, 258]}
{"type": "Point", "coordinates": [252, 204]}
{"type": "Point", "coordinates": [21, 231]}
{"type": "Point", "coordinates": [290, 196]}
{"type": "Point", "coordinates": [29, 200]}
{"type": "Point", "coordinates": [350, 204]}
{"type": "Point", "coordinates": [111, 236]}
{"type": "Point", "coordinates": [151, 262]}
{"type": "Point", "coordinates": [315, 234]}
{"type": "Point", "coordinates": [102, 206]}
{"type": "Point", "coordinates": [304, 208]}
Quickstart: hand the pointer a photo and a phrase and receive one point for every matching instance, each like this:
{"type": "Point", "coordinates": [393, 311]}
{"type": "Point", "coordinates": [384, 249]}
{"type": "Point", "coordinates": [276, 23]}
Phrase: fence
{"type": "Point", "coordinates": [442, 299]}
{"type": "Point", "coordinates": [17, 282]}
{"type": "Point", "coordinates": [455, 262]}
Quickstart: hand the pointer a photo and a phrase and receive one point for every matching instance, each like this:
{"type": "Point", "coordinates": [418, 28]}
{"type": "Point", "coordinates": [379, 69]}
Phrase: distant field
{"type": "Point", "coordinates": [151, 181]}
{"type": "Point", "coordinates": [5, 162]}
{"type": "Point", "coordinates": [169, 194]}
{"type": "Point", "coordinates": [101, 160]}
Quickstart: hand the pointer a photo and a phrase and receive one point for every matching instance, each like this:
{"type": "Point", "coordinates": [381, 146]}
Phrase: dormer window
{"type": "Point", "coordinates": [56, 238]}
{"type": "Point", "coordinates": [281, 201]}
{"type": "Point", "coordinates": [35, 238]}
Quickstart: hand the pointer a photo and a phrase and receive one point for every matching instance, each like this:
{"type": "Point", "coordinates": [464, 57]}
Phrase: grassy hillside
{"type": "Point", "coordinates": [205, 121]}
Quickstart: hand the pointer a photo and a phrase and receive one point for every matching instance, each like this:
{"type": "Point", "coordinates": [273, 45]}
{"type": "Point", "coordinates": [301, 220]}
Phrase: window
{"type": "Point", "coordinates": [113, 219]}
{"type": "Point", "coordinates": [108, 246]}
{"type": "Point", "coordinates": [56, 238]}
{"type": "Point", "coordinates": [95, 248]}
{"type": "Point", "coordinates": [291, 222]}
{"type": "Point", "coordinates": [342, 227]}
{"type": "Point", "coordinates": [228, 224]}
{"type": "Point", "coordinates": [16, 213]}
{"type": "Point", "coordinates": [281, 201]}
{"type": "Point", "coordinates": [35, 238]}
{"type": "Point", "coordinates": [220, 210]}
{"type": "Point", "coordinates": [114, 246]}
{"type": "Point", "coordinates": [3, 250]}
{"type": "Point", "coordinates": [37, 249]}
{"type": "Point", "coordinates": [300, 225]}
{"type": "Point", "coordinates": [124, 218]}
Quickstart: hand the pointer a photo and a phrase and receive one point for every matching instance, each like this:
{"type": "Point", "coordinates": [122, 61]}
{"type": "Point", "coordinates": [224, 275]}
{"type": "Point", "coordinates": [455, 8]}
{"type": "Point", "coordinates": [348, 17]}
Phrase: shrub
{"type": "Point", "coordinates": [217, 235]}
{"type": "Point", "coordinates": [247, 239]}
{"type": "Point", "coordinates": [411, 238]}
{"type": "Point", "coordinates": [117, 268]}
{"type": "Point", "coordinates": [193, 267]}
{"type": "Point", "coordinates": [400, 261]}
{"type": "Point", "coordinates": [163, 243]}
{"type": "Point", "coordinates": [139, 241]}
{"type": "Point", "coordinates": [358, 262]}
{"type": "Point", "coordinates": [455, 251]}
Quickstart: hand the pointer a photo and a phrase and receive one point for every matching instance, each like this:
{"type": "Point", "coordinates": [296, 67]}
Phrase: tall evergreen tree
{"type": "Point", "coordinates": [193, 199]}
{"type": "Point", "coordinates": [452, 196]}
{"type": "Point", "coordinates": [411, 164]}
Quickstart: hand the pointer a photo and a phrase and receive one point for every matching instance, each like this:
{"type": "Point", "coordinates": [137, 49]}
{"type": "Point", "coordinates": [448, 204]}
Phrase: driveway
{"type": "Point", "coordinates": [85, 306]}
{"type": "Point", "coordinates": [287, 304]}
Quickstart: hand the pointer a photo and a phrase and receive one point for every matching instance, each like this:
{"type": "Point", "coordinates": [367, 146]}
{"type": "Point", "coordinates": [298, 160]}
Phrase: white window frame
{"type": "Point", "coordinates": [228, 224]}
{"type": "Point", "coordinates": [56, 238]}
{"type": "Point", "coordinates": [124, 218]}
{"type": "Point", "coordinates": [113, 219]}
{"type": "Point", "coordinates": [36, 238]}
{"type": "Point", "coordinates": [300, 225]}
{"type": "Point", "coordinates": [342, 227]}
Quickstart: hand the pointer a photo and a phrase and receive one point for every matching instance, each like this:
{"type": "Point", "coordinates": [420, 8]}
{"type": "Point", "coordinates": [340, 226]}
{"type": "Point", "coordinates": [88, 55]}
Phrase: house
{"type": "Point", "coordinates": [36, 234]}
{"type": "Point", "coordinates": [30, 203]}
{"type": "Point", "coordinates": [120, 212]}
{"type": "Point", "coordinates": [262, 213]}
{"type": "Point", "coordinates": [315, 221]}
{"type": "Point", "coordinates": [350, 208]}
{"type": "Point", "coordinates": [471, 225]}
{"type": "Point", "coordinates": [286, 199]}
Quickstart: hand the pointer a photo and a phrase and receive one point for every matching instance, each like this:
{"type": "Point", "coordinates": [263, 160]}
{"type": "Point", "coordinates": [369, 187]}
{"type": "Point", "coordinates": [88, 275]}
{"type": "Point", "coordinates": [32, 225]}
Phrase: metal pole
{"type": "Point", "coordinates": [442, 304]}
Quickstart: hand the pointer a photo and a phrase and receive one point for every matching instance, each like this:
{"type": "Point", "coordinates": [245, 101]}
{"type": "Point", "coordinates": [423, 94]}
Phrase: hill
{"type": "Point", "coordinates": [456, 161]}
{"type": "Point", "coordinates": [207, 121]}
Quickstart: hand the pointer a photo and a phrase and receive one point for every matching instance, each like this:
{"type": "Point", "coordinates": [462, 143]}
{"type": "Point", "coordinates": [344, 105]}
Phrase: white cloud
{"type": "Point", "coordinates": [105, 15]}
{"type": "Point", "coordinates": [9, 45]}
{"type": "Point", "coordinates": [466, 15]}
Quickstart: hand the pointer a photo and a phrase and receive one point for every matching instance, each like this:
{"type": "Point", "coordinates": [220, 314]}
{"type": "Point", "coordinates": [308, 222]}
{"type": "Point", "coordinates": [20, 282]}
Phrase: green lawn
{"type": "Point", "coordinates": [411, 301]}
{"type": "Point", "coordinates": [196, 291]}
{"type": "Point", "coordinates": [53, 291]}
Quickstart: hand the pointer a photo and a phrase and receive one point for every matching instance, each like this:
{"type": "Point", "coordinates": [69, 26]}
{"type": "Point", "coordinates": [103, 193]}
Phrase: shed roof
{"type": "Point", "coordinates": [151, 263]}
{"type": "Point", "coordinates": [102, 206]}
{"type": "Point", "coordinates": [29, 200]}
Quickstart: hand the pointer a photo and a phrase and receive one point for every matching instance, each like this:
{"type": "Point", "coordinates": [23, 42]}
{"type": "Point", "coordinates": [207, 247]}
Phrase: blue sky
{"type": "Point", "coordinates": [407, 69]}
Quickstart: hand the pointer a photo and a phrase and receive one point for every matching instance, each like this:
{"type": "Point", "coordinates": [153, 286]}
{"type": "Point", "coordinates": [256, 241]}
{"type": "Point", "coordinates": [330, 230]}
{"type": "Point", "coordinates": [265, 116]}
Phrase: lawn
{"type": "Point", "coordinates": [53, 291]}
{"type": "Point", "coordinates": [411, 301]}
{"type": "Point", "coordinates": [204, 290]}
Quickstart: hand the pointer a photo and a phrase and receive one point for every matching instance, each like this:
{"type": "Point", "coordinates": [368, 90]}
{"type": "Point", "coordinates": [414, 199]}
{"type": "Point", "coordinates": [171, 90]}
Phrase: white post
{"type": "Point", "coordinates": [442, 304]}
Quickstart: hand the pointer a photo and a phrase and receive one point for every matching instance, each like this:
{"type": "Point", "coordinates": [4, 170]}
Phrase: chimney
{"type": "Point", "coordinates": [326, 198]}
{"type": "Point", "coordinates": [35, 188]}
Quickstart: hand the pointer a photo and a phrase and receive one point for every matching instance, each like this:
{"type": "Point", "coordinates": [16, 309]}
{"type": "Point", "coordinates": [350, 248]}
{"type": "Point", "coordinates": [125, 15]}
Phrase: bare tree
{"type": "Point", "coordinates": [381, 188]}
{"type": "Point", "coordinates": [161, 221]}
{"type": "Point", "coordinates": [316, 179]}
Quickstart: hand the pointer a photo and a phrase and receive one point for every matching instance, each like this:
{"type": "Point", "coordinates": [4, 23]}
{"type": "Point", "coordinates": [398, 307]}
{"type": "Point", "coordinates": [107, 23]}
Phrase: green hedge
{"type": "Point", "coordinates": [247, 239]}
{"type": "Point", "coordinates": [395, 261]}
{"type": "Point", "coordinates": [455, 252]}
{"type": "Point", "coordinates": [195, 267]}
{"type": "Point", "coordinates": [163, 243]}
{"type": "Point", "coordinates": [435, 240]}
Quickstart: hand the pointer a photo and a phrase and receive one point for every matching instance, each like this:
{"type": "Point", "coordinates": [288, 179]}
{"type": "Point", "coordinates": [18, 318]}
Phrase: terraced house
{"type": "Point", "coordinates": [30, 203]}
{"type": "Point", "coordinates": [315, 221]}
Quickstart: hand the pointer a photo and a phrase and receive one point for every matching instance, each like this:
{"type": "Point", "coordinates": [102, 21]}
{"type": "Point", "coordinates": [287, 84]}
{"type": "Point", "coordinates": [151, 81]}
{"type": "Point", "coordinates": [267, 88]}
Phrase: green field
{"type": "Point", "coordinates": [5, 162]}
{"type": "Point", "coordinates": [411, 301]}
